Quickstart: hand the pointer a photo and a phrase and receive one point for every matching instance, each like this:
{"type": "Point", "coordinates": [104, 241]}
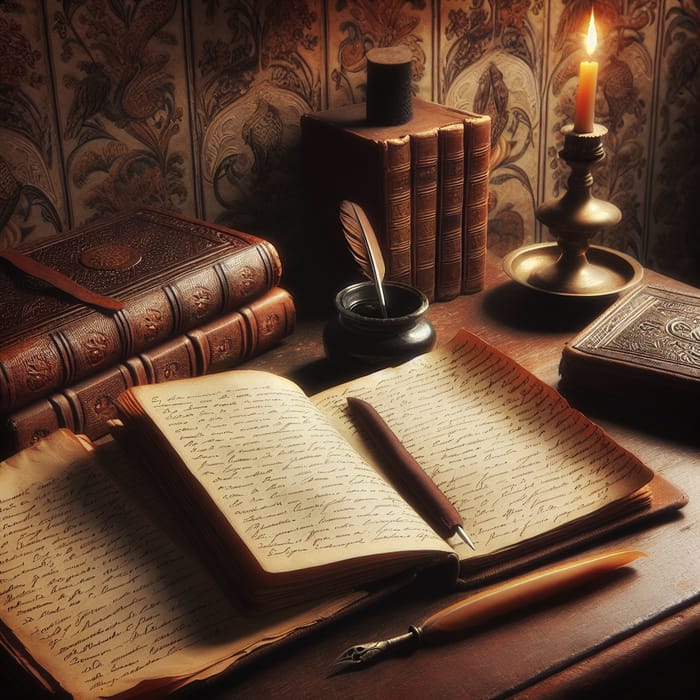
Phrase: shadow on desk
{"type": "Point", "coordinates": [662, 418]}
{"type": "Point", "coordinates": [323, 374]}
{"type": "Point", "coordinates": [524, 309]}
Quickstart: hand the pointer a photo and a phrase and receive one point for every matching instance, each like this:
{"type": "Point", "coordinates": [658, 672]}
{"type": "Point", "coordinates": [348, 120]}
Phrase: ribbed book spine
{"type": "Point", "coordinates": [397, 234]}
{"type": "Point", "coordinates": [450, 212]}
{"type": "Point", "coordinates": [424, 193]}
{"type": "Point", "coordinates": [477, 152]}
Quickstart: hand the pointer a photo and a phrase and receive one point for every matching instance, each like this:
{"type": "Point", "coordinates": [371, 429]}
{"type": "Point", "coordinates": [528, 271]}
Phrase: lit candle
{"type": "Point", "coordinates": [588, 78]}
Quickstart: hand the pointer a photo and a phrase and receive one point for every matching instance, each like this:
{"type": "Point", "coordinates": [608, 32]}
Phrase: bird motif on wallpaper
{"type": "Point", "coordinates": [91, 94]}
{"type": "Point", "coordinates": [491, 98]}
{"type": "Point", "coordinates": [683, 57]}
{"type": "Point", "coordinates": [25, 182]}
{"type": "Point", "coordinates": [619, 91]}
{"type": "Point", "coordinates": [262, 132]}
{"type": "Point", "coordinates": [127, 82]}
{"type": "Point", "coordinates": [10, 190]}
{"type": "Point", "coordinates": [352, 51]}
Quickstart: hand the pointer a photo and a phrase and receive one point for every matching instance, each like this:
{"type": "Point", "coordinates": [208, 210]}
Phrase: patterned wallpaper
{"type": "Point", "coordinates": [195, 106]}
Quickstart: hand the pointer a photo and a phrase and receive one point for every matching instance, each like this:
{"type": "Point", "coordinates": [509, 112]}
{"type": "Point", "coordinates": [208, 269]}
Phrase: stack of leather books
{"type": "Point", "coordinates": [185, 298]}
{"type": "Point", "coordinates": [423, 185]}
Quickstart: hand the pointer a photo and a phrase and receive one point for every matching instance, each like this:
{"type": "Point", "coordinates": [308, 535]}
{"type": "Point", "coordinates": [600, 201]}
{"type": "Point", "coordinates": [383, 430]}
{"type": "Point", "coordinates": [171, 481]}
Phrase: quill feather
{"type": "Point", "coordinates": [364, 246]}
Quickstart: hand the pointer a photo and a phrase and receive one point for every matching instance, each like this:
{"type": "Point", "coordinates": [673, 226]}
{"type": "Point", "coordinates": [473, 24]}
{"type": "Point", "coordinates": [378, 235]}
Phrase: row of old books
{"type": "Point", "coordinates": [423, 185]}
{"type": "Point", "coordinates": [197, 299]}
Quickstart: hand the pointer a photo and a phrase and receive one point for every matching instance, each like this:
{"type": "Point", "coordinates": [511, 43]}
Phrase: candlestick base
{"type": "Point", "coordinates": [604, 273]}
{"type": "Point", "coordinates": [572, 266]}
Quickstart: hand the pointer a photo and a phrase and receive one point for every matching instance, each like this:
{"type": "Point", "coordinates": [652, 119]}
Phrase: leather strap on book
{"type": "Point", "coordinates": [56, 279]}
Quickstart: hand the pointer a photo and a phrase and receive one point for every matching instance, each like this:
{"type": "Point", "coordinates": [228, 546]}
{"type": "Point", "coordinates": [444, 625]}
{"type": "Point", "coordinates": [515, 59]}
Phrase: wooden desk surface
{"type": "Point", "coordinates": [640, 630]}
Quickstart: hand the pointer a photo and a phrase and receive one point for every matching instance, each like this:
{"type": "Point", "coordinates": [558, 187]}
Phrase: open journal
{"type": "Point", "coordinates": [284, 485]}
{"type": "Point", "coordinates": [109, 589]}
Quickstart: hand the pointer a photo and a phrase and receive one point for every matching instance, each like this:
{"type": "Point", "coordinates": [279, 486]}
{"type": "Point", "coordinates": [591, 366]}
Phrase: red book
{"type": "Point", "coordinates": [171, 272]}
{"type": "Point", "coordinates": [88, 406]}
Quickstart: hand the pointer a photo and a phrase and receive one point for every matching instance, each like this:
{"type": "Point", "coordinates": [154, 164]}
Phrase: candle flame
{"type": "Point", "coordinates": [592, 37]}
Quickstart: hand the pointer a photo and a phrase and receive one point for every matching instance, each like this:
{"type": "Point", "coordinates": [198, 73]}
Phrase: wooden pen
{"type": "Point", "coordinates": [488, 605]}
{"type": "Point", "coordinates": [406, 475]}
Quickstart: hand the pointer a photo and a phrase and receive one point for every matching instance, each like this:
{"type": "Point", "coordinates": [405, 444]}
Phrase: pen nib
{"type": "Point", "coordinates": [465, 537]}
{"type": "Point", "coordinates": [361, 655]}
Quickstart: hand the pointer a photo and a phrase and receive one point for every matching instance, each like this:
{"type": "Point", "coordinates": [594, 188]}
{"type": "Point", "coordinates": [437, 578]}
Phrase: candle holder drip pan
{"type": "Point", "coordinates": [571, 266]}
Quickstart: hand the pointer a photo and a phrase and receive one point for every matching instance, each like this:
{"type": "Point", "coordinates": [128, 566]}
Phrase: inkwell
{"type": "Point", "coordinates": [377, 322]}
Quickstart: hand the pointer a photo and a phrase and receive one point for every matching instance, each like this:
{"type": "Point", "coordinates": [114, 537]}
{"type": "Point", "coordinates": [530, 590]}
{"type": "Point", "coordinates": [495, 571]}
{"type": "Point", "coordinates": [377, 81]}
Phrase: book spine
{"type": "Point", "coordinates": [258, 327]}
{"type": "Point", "coordinates": [397, 232]}
{"type": "Point", "coordinates": [477, 153]}
{"type": "Point", "coordinates": [424, 192]}
{"type": "Point", "coordinates": [218, 345]}
{"type": "Point", "coordinates": [448, 282]}
{"type": "Point", "coordinates": [37, 366]}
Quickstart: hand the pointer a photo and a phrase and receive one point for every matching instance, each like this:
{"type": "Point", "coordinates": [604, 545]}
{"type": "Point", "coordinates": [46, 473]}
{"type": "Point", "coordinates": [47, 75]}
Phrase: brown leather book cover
{"type": "Point", "coordinates": [646, 344]}
{"type": "Point", "coordinates": [448, 262]}
{"type": "Point", "coordinates": [344, 157]}
{"type": "Point", "coordinates": [218, 345]}
{"type": "Point", "coordinates": [171, 272]}
{"type": "Point", "coordinates": [477, 146]}
{"type": "Point", "coordinates": [397, 226]}
{"type": "Point", "coordinates": [424, 191]}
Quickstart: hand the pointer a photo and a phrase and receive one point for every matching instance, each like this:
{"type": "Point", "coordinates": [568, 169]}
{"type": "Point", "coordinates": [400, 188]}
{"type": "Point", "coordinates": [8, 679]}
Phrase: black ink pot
{"type": "Point", "coordinates": [359, 335]}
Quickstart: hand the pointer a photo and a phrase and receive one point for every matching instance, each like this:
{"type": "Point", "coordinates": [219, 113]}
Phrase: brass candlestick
{"type": "Point", "coordinates": [572, 266]}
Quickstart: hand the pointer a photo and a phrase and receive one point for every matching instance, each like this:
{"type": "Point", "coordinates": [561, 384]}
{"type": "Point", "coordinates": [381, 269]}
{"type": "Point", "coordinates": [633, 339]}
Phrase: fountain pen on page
{"type": "Point", "coordinates": [406, 474]}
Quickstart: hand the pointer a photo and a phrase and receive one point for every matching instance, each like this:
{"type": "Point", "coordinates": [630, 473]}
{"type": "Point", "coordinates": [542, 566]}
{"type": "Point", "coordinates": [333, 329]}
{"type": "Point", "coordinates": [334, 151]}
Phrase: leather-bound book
{"type": "Point", "coordinates": [172, 273]}
{"type": "Point", "coordinates": [88, 406]}
{"type": "Point", "coordinates": [643, 350]}
{"type": "Point", "coordinates": [424, 196]}
{"type": "Point", "coordinates": [344, 157]}
{"type": "Point", "coordinates": [477, 135]}
{"type": "Point", "coordinates": [448, 261]}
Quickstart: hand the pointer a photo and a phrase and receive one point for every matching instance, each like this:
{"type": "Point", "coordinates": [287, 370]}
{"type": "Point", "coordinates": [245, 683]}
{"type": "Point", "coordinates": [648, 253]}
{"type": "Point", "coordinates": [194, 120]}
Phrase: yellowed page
{"type": "Point", "coordinates": [101, 597]}
{"type": "Point", "coordinates": [506, 449]}
{"type": "Point", "coordinates": [292, 488]}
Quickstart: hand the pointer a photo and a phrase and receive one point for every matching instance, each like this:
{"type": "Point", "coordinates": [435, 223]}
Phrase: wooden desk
{"type": "Point", "coordinates": [638, 631]}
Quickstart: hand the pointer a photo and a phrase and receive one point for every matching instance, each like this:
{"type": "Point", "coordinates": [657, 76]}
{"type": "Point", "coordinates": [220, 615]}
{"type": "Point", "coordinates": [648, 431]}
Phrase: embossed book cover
{"type": "Point", "coordinates": [648, 341]}
{"type": "Point", "coordinates": [172, 273]}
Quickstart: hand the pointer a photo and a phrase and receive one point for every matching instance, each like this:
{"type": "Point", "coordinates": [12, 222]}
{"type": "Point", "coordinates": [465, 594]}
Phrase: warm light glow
{"type": "Point", "coordinates": [584, 118]}
{"type": "Point", "coordinates": [592, 37]}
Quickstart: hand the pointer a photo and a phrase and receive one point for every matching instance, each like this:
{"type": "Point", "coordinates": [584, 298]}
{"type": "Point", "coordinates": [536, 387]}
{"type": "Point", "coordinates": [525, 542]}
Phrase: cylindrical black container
{"type": "Point", "coordinates": [359, 335]}
{"type": "Point", "coordinates": [389, 97]}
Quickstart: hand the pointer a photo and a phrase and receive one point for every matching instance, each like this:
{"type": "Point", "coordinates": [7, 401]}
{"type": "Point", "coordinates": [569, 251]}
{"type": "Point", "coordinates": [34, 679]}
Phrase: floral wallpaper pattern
{"type": "Point", "coordinates": [195, 106]}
